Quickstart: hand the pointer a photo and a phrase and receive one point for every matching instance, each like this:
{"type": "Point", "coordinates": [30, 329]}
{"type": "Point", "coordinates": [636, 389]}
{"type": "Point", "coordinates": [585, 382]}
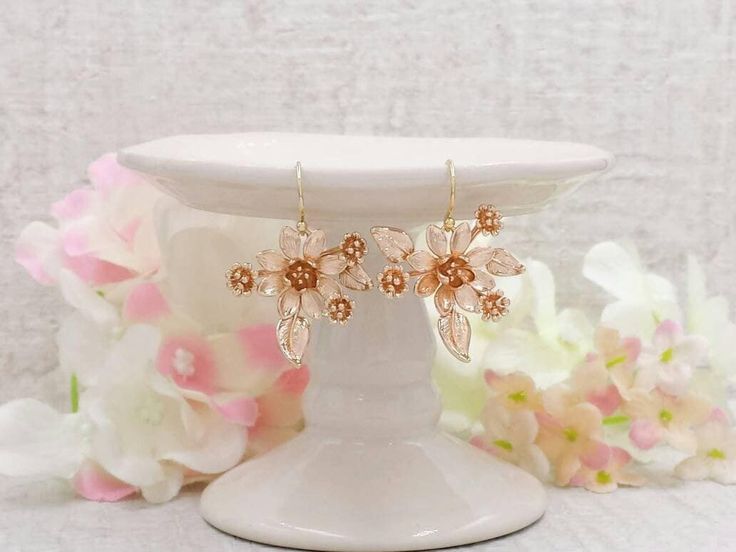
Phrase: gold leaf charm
{"type": "Point", "coordinates": [394, 243]}
{"type": "Point", "coordinates": [455, 332]}
{"type": "Point", "coordinates": [459, 276]}
{"type": "Point", "coordinates": [503, 263]}
{"type": "Point", "coordinates": [293, 337]}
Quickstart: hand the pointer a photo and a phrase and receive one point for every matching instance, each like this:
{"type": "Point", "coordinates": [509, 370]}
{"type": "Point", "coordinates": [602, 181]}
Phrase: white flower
{"type": "Point", "coordinates": [556, 345]}
{"type": "Point", "coordinates": [715, 457]}
{"type": "Point", "coordinates": [38, 441]}
{"type": "Point", "coordinates": [145, 431]}
{"type": "Point", "coordinates": [643, 300]}
{"type": "Point", "coordinates": [668, 364]}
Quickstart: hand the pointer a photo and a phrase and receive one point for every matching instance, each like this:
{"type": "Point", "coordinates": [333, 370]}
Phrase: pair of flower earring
{"type": "Point", "coordinates": [308, 278]}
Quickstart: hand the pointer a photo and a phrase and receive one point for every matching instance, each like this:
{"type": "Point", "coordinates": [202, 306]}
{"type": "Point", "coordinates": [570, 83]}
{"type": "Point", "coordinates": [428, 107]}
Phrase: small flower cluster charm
{"type": "Point", "coordinates": [307, 278]}
{"type": "Point", "coordinates": [460, 278]}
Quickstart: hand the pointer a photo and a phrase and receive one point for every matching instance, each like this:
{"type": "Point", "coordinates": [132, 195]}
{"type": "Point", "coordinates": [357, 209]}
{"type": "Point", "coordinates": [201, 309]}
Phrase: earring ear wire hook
{"type": "Point", "coordinates": [449, 223]}
{"type": "Point", "coordinates": [301, 225]}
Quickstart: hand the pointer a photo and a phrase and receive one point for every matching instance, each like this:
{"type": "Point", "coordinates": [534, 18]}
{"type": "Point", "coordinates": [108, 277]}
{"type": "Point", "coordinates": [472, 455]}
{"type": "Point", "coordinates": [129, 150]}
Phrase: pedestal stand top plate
{"type": "Point", "coordinates": [374, 178]}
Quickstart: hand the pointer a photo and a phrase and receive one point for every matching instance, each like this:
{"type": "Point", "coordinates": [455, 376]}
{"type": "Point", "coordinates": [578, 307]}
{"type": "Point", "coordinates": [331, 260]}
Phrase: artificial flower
{"type": "Point", "coordinates": [669, 363]}
{"type": "Point", "coordinates": [606, 478]}
{"type": "Point", "coordinates": [510, 434]}
{"type": "Point", "coordinates": [715, 455]}
{"type": "Point", "coordinates": [515, 391]}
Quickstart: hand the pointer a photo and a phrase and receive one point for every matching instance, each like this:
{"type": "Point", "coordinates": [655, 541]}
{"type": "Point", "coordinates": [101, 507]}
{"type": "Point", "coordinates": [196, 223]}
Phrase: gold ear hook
{"type": "Point", "coordinates": [301, 226]}
{"type": "Point", "coordinates": [449, 223]}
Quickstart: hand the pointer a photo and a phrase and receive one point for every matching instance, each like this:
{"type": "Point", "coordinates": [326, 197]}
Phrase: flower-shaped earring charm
{"type": "Point", "coordinates": [306, 277]}
{"type": "Point", "coordinates": [460, 277]}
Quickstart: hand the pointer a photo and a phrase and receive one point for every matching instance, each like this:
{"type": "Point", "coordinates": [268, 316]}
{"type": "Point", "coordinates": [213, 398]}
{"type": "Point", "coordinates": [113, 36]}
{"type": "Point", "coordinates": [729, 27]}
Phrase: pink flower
{"type": "Point", "coordinates": [608, 477]}
{"type": "Point", "coordinates": [570, 434]}
{"type": "Point", "coordinates": [189, 361]}
{"type": "Point", "coordinates": [656, 417]}
{"type": "Point", "coordinates": [94, 483]}
{"type": "Point", "coordinates": [669, 363]}
{"type": "Point", "coordinates": [715, 455]}
{"type": "Point", "coordinates": [515, 391]}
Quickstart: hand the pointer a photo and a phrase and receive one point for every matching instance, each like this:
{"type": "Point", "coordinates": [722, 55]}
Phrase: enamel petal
{"type": "Point", "coordinates": [328, 287]}
{"type": "Point", "coordinates": [426, 285]}
{"type": "Point", "coordinates": [312, 303]}
{"type": "Point", "coordinates": [479, 256]}
{"type": "Point", "coordinates": [288, 303]}
{"type": "Point", "coordinates": [467, 298]}
{"type": "Point", "coordinates": [315, 244]}
{"type": "Point", "coordinates": [460, 238]}
{"type": "Point", "coordinates": [272, 284]}
{"type": "Point", "coordinates": [333, 263]}
{"type": "Point", "coordinates": [444, 300]}
{"type": "Point", "coordinates": [290, 242]}
{"type": "Point", "coordinates": [437, 240]}
{"type": "Point", "coordinates": [272, 260]}
{"type": "Point", "coordinates": [423, 261]}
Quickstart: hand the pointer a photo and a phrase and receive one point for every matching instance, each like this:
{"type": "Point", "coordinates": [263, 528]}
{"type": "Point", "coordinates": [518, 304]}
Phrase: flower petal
{"type": "Point", "coordinates": [426, 285]}
{"type": "Point", "coordinates": [315, 244]}
{"type": "Point", "coordinates": [333, 263]}
{"type": "Point", "coordinates": [479, 256]}
{"type": "Point", "coordinates": [483, 281]}
{"type": "Point", "coordinates": [272, 260]}
{"type": "Point", "coordinates": [467, 298]}
{"type": "Point", "coordinates": [423, 261]}
{"type": "Point", "coordinates": [288, 302]}
{"type": "Point", "coordinates": [460, 238]}
{"type": "Point", "coordinates": [329, 287]}
{"type": "Point", "coordinates": [290, 242]}
{"type": "Point", "coordinates": [272, 284]}
{"type": "Point", "coordinates": [436, 240]}
{"type": "Point", "coordinates": [93, 483]}
{"type": "Point", "coordinates": [312, 303]}
{"type": "Point", "coordinates": [444, 300]}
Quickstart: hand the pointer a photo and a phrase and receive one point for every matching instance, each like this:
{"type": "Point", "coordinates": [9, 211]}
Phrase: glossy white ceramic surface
{"type": "Point", "coordinates": [371, 472]}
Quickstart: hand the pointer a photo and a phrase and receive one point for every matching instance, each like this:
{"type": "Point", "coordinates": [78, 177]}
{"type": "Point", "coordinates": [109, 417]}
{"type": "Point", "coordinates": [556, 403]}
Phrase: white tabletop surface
{"type": "Point", "coordinates": [672, 516]}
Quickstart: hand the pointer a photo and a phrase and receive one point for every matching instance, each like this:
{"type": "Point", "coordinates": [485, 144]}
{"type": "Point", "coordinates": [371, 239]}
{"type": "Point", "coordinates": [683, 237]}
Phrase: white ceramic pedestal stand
{"type": "Point", "coordinates": [371, 471]}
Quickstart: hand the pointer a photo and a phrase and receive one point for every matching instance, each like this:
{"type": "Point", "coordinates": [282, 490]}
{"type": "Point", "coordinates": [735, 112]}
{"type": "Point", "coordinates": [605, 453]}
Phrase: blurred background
{"type": "Point", "coordinates": [652, 82]}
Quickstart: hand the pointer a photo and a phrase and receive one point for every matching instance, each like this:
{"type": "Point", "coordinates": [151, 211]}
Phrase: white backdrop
{"type": "Point", "coordinates": [653, 82]}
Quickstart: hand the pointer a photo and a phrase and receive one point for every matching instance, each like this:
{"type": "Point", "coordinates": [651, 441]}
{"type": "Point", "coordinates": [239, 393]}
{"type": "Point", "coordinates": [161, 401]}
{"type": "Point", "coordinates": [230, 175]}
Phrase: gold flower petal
{"type": "Point", "coordinates": [467, 298]}
{"type": "Point", "coordinates": [272, 284]}
{"type": "Point", "coordinates": [271, 260]}
{"type": "Point", "coordinates": [315, 244]}
{"type": "Point", "coordinates": [312, 303]}
{"type": "Point", "coordinates": [327, 286]}
{"type": "Point", "coordinates": [332, 263]}
{"type": "Point", "coordinates": [444, 300]}
{"type": "Point", "coordinates": [437, 240]}
{"type": "Point", "coordinates": [288, 303]}
{"type": "Point", "coordinates": [290, 242]}
{"type": "Point", "coordinates": [460, 239]}
{"type": "Point", "coordinates": [426, 285]}
{"type": "Point", "coordinates": [483, 281]}
{"type": "Point", "coordinates": [423, 261]}
{"type": "Point", "coordinates": [479, 256]}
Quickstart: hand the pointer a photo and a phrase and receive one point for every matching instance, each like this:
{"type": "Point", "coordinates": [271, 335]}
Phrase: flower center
{"type": "Point", "coordinates": [301, 275]}
{"type": "Point", "coordinates": [603, 477]}
{"type": "Point", "coordinates": [665, 416]}
{"type": "Point", "coordinates": [151, 411]}
{"type": "Point", "coordinates": [518, 396]}
{"type": "Point", "coordinates": [454, 269]}
{"type": "Point", "coordinates": [505, 445]}
{"type": "Point", "coordinates": [183, 363]}
{"type": "Point", "coordinates": [571, 434]}
{"type": "Point", "coordinates": [667, 355]}
{"type": "Point", "coordinates": [717, 454]}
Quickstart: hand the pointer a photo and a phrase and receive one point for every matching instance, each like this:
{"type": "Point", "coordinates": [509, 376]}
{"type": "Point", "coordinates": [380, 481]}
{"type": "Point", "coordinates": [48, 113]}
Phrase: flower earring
{"type": "Point", "coordinates": [306, 277]}
{"type": "Point", "coordinates": [460, 278]}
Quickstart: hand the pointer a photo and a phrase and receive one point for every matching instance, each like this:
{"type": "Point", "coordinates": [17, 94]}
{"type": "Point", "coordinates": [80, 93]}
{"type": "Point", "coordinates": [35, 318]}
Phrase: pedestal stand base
{"type": "Point", "coordinates": [318, 492]}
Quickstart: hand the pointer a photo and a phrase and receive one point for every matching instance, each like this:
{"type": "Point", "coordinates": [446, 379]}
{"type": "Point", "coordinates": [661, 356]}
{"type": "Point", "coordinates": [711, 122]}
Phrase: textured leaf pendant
{"type": "Point", "coordinates": [459, 277]}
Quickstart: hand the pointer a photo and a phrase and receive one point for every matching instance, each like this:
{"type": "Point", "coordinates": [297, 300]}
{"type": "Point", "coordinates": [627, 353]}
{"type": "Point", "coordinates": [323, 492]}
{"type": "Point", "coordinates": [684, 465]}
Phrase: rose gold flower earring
{"type": "Point", "coordinates": [307, 278]}
{"type": "Point", "coordinates": [460, 278]}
